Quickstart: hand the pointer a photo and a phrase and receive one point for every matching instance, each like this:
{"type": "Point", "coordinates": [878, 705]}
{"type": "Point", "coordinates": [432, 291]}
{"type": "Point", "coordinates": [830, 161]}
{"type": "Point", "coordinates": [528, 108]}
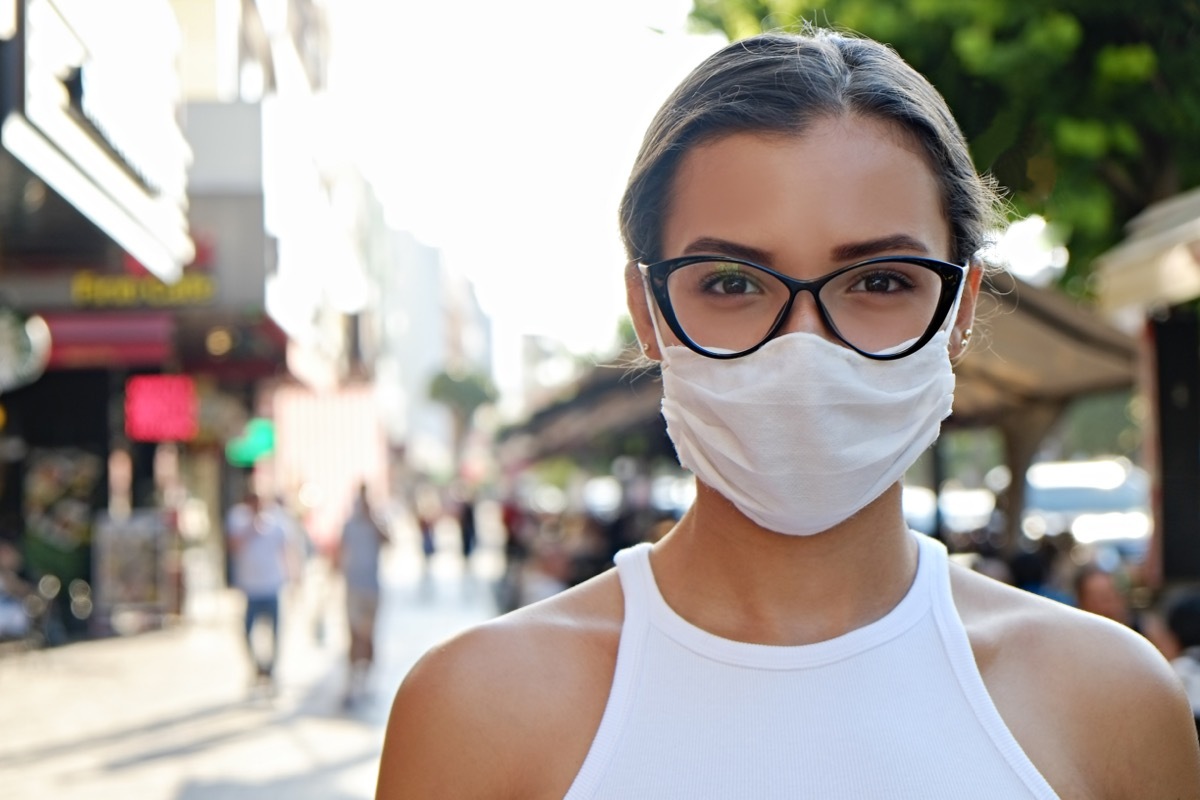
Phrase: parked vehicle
{"type": "Point", "coordinates": [1097, 501]}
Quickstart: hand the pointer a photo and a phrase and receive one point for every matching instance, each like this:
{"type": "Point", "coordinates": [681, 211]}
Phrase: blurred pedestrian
{"type": "Point", "coordinates": [516, 552]}
{"type": "Point", "coordinates": [513, 520]}
{"type": "Point", "coordinates": [300, 547]}
{"type": "Point", "coordinates": [803, 226]}
{"type": "Point", "coordinates": [1183, 623]}
{"type": "Point", "coordinates": [262, 562]}
{"type": "Point", "coordinates": [428, 507]}
{"type": "Point", "coordinates": [1031, 571]}
{"type": "Point", "coordinates": [358, 553]}
{"type": "Point", "coordinates": [1098, 591]}
{"type": "Point", "coordinates": [16, 607]}
{"type": "Point", "coordinates": [466, 522]}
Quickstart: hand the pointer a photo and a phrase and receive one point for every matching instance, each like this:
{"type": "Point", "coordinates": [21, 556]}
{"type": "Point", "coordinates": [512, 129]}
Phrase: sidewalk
{"type": "Point", "coordinates": [168, 715]}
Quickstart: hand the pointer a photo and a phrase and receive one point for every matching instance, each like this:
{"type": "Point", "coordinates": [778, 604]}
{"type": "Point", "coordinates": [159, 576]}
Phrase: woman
{"type": "Point", "coordinates": [801, 223]}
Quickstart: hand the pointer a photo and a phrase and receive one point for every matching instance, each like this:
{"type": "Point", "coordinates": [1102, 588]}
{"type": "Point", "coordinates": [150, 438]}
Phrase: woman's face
{"type": "Point", "coordinates": [848, 189]}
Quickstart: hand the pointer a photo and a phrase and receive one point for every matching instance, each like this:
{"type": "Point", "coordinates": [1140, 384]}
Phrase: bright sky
{"type": "Point", "coordinates": [503, 133]}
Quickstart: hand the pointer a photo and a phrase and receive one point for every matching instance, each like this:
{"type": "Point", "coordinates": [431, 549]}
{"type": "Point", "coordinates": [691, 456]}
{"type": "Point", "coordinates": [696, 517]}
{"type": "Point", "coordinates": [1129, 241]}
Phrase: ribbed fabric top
{"type": "Point", "coordinates": [895, 709]}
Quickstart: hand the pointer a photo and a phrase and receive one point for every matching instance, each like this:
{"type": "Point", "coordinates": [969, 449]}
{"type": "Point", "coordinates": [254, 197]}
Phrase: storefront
{"type": "Point", "coordinates": [93, 243]}
{"type": "Point", "coordinates": [1149, 284]}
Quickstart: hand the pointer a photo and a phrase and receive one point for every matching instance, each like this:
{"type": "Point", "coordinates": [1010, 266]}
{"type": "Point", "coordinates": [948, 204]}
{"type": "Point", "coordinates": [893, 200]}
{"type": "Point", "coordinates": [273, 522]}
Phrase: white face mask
{"type": "Point", "coordinates": [804, 433]}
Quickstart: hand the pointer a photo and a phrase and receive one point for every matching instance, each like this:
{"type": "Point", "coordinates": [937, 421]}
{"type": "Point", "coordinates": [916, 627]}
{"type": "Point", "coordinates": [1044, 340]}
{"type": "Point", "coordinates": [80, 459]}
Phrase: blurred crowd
{"type": "Point", "coordinates": [550, 547]}
{"type": "Point", "coordinates": [548, 552]}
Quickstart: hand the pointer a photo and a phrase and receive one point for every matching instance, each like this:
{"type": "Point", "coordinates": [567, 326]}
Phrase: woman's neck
{"type": "Point", "coordinates": [727, 575]}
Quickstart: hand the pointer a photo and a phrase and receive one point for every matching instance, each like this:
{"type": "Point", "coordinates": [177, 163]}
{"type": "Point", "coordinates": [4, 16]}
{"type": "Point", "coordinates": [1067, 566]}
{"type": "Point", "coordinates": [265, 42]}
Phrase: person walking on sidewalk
{"type": "Point", "coordinates": [802, 224]}
{"type": "Point", "coordinates": [357, 558]}
{"type": "Point", "coordinates": [262, 563]}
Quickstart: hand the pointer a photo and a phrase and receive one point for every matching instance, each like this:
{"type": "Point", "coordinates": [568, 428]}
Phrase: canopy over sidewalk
{"type": "Point", "coordinates": [1158, 263]}
{"type": "Point", "coordinates": [1034, 346]}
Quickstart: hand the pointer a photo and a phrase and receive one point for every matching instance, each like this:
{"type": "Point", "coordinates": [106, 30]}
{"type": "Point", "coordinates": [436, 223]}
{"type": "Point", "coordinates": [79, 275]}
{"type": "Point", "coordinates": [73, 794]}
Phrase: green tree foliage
{"type": "Point", "coordinates": [462, 394]}
{"type": "Point", "coordinates": [626, 334]}
{"type": "Point", "coordinates": [1100, 425]}
{"type": "Point", "coordinates": [1086, 111]}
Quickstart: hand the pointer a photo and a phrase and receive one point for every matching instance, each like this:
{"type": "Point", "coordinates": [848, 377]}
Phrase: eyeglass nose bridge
{"type": "Point", "coordinates": [795, 286]}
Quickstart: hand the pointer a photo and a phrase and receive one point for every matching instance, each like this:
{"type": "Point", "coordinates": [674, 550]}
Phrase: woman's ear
{"type": "Point", "coordinates": [961, 333]}
{"type": "Point", "coordinates": [640, 311]}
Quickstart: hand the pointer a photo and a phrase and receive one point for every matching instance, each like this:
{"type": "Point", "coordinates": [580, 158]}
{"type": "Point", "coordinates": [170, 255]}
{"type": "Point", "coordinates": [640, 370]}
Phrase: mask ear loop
{"type": "Point", "coordinates": [952, 315]}
{"type": "Point", "coordinates": [652, 307]}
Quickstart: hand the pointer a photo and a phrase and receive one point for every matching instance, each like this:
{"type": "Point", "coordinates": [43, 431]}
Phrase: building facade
{"type": "Point", "coordinates": [94, 240]}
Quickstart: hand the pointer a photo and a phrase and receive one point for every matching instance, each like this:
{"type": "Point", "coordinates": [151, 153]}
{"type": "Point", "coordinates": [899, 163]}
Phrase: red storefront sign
{"type": "Point", "coordinates": [161, 408]}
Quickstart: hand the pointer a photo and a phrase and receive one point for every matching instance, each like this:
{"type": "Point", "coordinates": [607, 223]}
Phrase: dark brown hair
{"type": "Point", "coordinates": [778, 83]}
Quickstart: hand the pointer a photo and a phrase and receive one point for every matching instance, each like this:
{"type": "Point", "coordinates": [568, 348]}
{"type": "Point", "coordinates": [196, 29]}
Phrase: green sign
{"type": "Point", "coordinates": [256, 442]}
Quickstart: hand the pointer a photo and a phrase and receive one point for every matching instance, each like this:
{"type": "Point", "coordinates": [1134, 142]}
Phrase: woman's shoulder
{"type": "Point", "coordinates": [1004, 620]}
{"type": "Point", "coordinates": [507, 708]}
{"type": "Point", "coordinates": [1093, 703]}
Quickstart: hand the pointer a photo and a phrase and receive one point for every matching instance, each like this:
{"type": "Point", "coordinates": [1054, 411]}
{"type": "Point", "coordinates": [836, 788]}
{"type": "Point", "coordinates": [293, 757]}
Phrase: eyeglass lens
{"type": "Point", "coordinates": [876, 307]}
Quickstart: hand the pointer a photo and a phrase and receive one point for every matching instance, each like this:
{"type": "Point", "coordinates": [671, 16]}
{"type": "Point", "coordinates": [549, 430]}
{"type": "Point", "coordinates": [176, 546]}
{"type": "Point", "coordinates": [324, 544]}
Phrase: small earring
{"type": "Point", "coordinates": [966, 337]}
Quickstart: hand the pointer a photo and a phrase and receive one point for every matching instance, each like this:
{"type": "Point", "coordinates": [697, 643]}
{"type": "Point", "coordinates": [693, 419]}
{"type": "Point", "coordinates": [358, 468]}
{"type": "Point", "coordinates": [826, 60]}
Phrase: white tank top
{"type": "Point", "coordinates": [895, 709]}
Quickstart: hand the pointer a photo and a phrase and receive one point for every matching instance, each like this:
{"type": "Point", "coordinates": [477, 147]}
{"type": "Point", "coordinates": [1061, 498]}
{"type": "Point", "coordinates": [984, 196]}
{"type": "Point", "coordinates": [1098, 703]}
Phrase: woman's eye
{"type": "Point", "coordinates": [882, 283]}
{"type": "Point", "coordinates": [730, 282]}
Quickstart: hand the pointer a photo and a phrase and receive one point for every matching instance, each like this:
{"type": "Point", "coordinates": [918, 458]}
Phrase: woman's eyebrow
{"type": "Point", "coordinates": [706, 245]}
{"type": "Point", "coordinates": [886, 245]}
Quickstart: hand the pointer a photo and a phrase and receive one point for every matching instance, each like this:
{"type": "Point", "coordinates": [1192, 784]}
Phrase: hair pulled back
{"type": "Point", "coordinates": [777, 83]}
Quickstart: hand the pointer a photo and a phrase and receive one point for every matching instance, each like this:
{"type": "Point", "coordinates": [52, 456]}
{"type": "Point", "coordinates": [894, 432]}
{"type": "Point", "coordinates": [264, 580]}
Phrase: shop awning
{"type": "Point", "coordinates": [1158, 263]}
{"type": "Point", "coordinates": [151, 232]}
{"type": "Point", "coordinates": [98, 340]}
{"type": "Point", "coordinates": [1035, 347]}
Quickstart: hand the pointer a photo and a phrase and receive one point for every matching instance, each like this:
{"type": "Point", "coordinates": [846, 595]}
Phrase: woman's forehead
{"type": "Point", "coordinates": [842, 180]}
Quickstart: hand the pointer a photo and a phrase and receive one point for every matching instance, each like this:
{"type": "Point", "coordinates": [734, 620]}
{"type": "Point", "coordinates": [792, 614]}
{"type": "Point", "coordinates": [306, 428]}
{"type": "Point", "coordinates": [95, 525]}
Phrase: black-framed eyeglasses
{"type": "Point", "coordinates": [883, 308]}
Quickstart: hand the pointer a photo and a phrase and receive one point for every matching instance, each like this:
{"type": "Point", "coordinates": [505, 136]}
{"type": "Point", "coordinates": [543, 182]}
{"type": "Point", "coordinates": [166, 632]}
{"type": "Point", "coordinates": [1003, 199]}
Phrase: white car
{"type": "Point", "coordinates": [1097, 501]}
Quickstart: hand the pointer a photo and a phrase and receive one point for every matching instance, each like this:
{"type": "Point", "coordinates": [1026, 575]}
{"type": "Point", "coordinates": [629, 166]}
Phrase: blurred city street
{"type": "Point", "coordinates": [274, 272]}
{"type": "Point", "coordinates": [170, 714]}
